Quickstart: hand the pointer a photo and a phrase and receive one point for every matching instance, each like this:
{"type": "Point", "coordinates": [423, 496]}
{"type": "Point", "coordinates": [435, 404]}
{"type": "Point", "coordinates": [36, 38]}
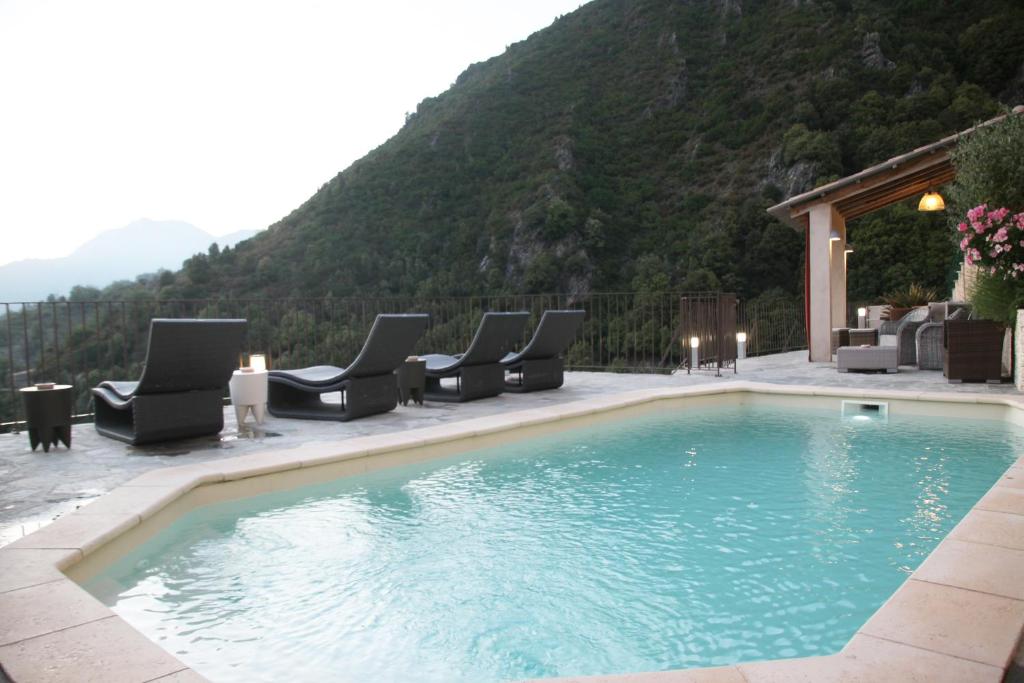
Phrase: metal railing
{"type": "Point", "coordinates": [82, 343]}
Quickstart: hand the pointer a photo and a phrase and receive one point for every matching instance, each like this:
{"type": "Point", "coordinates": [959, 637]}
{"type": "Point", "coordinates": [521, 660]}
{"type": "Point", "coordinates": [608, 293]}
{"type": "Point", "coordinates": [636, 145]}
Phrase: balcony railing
{"type": "Point", "coordinates": [82, 343]}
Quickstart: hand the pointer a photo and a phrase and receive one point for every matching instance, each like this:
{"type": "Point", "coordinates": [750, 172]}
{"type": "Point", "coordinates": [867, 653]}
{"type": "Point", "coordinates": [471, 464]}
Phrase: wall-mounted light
{"type": "Point", "coordinates": [834, 236]}
{"type": "Point", "coordinates": [931, 201]}
{"type": "Point", "coordinates": [849, 248]}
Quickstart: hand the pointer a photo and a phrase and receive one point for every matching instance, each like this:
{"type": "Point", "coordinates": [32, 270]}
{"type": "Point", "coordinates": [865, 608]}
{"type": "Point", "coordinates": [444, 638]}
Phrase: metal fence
{"type": "Point", "coordinates": [82, 343]}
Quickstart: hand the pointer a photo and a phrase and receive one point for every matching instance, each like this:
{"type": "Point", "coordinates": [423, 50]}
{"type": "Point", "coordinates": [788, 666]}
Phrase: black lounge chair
{"type": "Point", "coordinates": [477, 372]}
{"type": "Point", "coordinates": [539, 365]}
{"type": "Point", "coordinates": [368, 385]}
{"type": "Point", "coordinates": [181, 391]}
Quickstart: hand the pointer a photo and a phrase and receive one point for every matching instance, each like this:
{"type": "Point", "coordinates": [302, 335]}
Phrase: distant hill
{"type": "Point", "coordinates": [143, 246]}
{"type": "Point", "coordinates": [635, 145]}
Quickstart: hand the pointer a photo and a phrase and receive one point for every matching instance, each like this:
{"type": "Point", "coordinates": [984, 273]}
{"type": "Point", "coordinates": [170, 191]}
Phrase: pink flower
{"type": "Point", "coordinates": [962, 227]}
{"type": "Point", "coordinates": [967, 240]}
{"type": "Point", "coordinates": [998, 214]}
{"type": "Point", "coordinates": [1000, 236]}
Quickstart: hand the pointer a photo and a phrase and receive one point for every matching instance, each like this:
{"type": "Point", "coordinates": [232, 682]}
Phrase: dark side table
{"type": "Point", "coordinates": [412, 381]}
{"type": "Point", "coordinates": [863, 336]}
{"type": "Point", "coordinates": [48, 414]}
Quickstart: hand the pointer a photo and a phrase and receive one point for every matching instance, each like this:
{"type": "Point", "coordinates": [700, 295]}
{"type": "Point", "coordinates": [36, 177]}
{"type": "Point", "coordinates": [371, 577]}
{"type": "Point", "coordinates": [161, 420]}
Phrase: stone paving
{"type": "Point", "coordinates": [37, 487]}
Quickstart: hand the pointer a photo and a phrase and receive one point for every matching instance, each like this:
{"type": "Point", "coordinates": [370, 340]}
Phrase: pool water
{"type": "Point", "coordinates": [678, 539]}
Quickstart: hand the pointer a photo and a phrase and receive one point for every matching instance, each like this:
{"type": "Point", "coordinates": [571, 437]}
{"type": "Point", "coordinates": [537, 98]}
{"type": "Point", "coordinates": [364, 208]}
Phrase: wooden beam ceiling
{"type": "Point", "coordinates": [913, 184]}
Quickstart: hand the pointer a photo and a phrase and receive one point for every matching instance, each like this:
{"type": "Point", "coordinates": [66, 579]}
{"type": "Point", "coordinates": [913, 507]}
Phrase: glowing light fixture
{"type": "Point", "coordinates": [849, 248]}
{"type": "Point", "coordinates": [931, 201]}
{"type": "Point", "coordinates": [834, 236]}
{"type": "Point", "coordinates": [694, 352]}
{"type": "Point", "coordinates": [741, 345]}
{"type": "Point", "coordinates": [258, 362]}
{"type": "Point", "coordinates": [862, 315]}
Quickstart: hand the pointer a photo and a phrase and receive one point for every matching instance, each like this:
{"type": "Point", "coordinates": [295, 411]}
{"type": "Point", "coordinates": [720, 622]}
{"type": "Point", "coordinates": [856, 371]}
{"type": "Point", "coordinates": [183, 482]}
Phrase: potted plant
{"type": "Point", "coordinates": [987, 212]}
{"type": "Point", "coordinates": [900, 302]}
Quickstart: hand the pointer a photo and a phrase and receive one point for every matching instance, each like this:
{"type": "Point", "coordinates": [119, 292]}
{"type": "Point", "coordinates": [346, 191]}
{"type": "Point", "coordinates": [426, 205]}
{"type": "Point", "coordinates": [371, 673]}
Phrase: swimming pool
{"type": "Point", "coordinates": [672, 540]}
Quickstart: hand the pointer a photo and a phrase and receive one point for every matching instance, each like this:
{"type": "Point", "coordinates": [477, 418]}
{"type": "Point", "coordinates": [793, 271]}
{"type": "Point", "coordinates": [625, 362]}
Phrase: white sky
{"type": "Point", "coordinates": [226, 114]}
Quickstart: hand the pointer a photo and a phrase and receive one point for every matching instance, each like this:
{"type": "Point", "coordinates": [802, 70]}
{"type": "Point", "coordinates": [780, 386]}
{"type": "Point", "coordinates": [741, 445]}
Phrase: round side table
{"type": "Point", "coordinates": [48, 414]}
{"type": "Point", "coordinates": [249, 393]}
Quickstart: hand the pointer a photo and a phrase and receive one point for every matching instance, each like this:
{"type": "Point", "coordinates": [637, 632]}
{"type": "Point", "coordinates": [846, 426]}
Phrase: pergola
{"type": "Point", "coordinates": [822, 214]}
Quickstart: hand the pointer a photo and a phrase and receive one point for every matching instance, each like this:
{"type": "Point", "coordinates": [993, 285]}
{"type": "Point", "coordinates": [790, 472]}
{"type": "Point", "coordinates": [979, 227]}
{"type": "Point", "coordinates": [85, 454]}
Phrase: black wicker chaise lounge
{"type": "Point", "coordinates": [478, 372]}
{"type": "Point", "coordinates": [368, 386]}
{"type": "Point", "coordinates": [539, 365]}
{"type": "Point", "coordinates": [181, 391]}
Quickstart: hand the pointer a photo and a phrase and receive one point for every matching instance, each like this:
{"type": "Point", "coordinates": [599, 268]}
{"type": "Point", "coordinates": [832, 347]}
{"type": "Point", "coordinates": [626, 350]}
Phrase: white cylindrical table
{"type": "Point", "coordinates": [249, 392]}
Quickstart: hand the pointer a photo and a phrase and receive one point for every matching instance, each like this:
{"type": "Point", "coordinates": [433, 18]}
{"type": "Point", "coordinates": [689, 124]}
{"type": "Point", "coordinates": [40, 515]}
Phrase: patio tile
{"type": "Point", "coordinates": [256, 464]}
{"type": "Point", "coordinates": [185, 476]}
{"type": "Point", "coordinates": [48, 607]}
{"type": "Point", "coordinates": [961, 623]}
{"type": "Point", "coordinates": [872, 660]}
{"type": "Point", "coordinates": [145, 501]}
{"type": "Point", "coordinates": [24, 567]}
{"type": "Point", "coordinates": [1003, 499]}
{"type": "Point", "coordinates": [1013, 479]}
{"type": "Point", "coordinates": [722, 674]}
{"type": "Point", "coordinates": [992, 528]}
{"type": "Point", "coordinates": [84, 532]}
{"type": "Point", "coordinates": [183, 676]}
{"type": "Point", "coordinates": [318, 456]}
{"type": "Point", "coordinates": [103, 651]}
{"type": "Point", "coordinates": [983, 568]}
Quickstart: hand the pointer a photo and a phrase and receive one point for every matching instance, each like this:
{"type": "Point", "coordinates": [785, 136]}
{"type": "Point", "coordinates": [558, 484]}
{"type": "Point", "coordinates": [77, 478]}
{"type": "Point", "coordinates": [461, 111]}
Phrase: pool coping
{"type": "Point", "coordinates": [958, 617]}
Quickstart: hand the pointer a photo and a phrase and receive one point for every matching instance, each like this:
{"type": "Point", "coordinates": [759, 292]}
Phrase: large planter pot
{"type": "Point", "coordinates": [895, 313]}
{"type": "Point", "coordinates": [973, 350]}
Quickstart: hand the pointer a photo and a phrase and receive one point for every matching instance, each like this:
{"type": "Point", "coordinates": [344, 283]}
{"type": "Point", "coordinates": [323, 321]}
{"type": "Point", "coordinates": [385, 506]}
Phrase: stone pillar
{"type": "Point", "coordinates": [837, 272]}
{"type": "Point", "coordinates": [826, 291]}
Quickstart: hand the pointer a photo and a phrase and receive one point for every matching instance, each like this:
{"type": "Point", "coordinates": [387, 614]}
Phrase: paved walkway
{"type": "Point", "coordinates": [37, 487]}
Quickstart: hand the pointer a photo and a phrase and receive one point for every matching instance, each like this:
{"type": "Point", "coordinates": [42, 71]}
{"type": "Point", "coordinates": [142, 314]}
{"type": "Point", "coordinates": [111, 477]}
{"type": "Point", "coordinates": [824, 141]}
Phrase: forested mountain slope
{"type": "Point", "coordinates": [635, 144]}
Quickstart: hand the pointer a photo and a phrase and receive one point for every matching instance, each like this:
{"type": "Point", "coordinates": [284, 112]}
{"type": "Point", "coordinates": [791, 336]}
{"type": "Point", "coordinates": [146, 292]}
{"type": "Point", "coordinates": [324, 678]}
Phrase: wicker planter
{"type": "Point", "coordinates": [973, 351]}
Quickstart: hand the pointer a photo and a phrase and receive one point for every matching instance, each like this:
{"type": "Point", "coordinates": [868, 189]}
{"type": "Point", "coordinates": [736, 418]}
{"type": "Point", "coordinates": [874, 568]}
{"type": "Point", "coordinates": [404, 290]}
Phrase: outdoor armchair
{"type": "Point", "coordinates": [368, 386]}
{"type": "Point", "coordinates": [906, 332]}
{"type": "Point", "coordinates": [539, 365]}
{"type": "Point", "coordinates": [478, 372]}
{"type": "Point", "coordinates": [929, 338]}
{"type": "Point", "coordinates": [181, 391]}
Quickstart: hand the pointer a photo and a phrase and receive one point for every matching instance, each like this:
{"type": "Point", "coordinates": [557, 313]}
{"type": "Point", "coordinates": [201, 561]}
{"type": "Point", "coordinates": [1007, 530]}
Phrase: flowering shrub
{"type": "Point", "coordinates": [994, 240]}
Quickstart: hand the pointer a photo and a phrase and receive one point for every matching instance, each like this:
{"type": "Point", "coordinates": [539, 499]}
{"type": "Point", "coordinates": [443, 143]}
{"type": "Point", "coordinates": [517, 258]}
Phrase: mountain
{"type": "Point", "coordinates": [143, 246]}
{"type": "Point", "coordinates": [635, 144]}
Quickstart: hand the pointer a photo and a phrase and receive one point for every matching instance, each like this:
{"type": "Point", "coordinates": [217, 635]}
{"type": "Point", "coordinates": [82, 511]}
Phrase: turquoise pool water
{"type": "Point", "coordinates": [682, 539]}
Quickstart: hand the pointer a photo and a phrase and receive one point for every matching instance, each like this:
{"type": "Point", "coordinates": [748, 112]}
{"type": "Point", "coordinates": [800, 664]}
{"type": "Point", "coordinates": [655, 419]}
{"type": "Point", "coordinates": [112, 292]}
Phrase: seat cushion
{"type": "Point", "coordinates": [124, 390]}
{"type": "Point", "coordinates": [314, 376]}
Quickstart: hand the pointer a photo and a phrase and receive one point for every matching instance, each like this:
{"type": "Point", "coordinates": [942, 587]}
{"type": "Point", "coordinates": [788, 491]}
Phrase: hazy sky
{"type": "Point", "coordinates": [223, 113]}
